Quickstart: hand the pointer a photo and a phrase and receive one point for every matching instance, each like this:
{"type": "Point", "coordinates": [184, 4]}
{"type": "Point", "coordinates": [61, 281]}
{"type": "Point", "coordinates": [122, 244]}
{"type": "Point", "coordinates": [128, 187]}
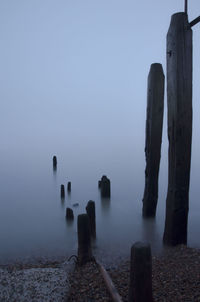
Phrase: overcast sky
{"type": "Point", "coordinates": [81, 65]}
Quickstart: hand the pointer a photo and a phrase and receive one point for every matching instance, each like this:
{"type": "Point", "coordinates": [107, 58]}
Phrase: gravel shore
{"type": "Point", "coordinates": [35, 282]}
{"type": "Point", "coordinates": [176, 278]}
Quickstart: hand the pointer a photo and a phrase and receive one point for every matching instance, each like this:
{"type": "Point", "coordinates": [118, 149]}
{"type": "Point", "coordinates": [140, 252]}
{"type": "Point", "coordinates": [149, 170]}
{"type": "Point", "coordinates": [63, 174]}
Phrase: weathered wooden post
{"type": "Point", "coordinates": [69, 186]}
{"type": "Point", "coordinates": [179, 100]}
{"type": "Point", "coordinates": [105, 186]}
{"type": "Point", "coordinates": [62, 191]}
{"type": "Point", "coordinates": [84, 239]}
{"type": "Point", "coordinates": [90, 209]}
{"type": "Point", "coordinates": [140, 287]}
{"type": "Point", "coordinates": [54, 162]}
{"type": "Point", "coordinates": [154, 125]}
{"type": "Point", "coordinates": [69, 214]}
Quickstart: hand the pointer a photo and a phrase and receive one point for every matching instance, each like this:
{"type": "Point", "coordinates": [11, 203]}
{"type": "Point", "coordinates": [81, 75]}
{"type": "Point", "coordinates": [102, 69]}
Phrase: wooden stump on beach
{"type": "Point", "coordinates": [84, 239]}
{"type": "Point", "coordinates": [140, 287]}
{"type": "Point", "coordinates": [90, 209]}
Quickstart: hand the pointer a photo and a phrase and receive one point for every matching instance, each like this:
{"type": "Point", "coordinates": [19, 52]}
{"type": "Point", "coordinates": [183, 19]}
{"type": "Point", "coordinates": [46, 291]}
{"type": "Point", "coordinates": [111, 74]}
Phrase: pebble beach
{"type": "Point", "coordinates": [35, 282]}
{"type": "Point", "coordinates": [175, 278]}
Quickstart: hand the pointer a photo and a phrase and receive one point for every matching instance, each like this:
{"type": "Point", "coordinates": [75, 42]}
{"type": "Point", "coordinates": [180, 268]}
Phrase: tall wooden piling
{"type": "Point", "coordinates": [90, 209]}
{"type": "Point", "coordinates": [84, 239]}
{"type": "Point", "coordinates": [179, 100]}
{"type": "Point", "coordinates": [140, 286]}
{"type": "Point", "coordinates": [154, 125]}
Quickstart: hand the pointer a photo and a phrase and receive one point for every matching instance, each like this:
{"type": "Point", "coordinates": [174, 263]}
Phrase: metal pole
{"type": "Point", "coordinates": [195, 21]}
{"type": "Point", "coordinates": [186, 6]}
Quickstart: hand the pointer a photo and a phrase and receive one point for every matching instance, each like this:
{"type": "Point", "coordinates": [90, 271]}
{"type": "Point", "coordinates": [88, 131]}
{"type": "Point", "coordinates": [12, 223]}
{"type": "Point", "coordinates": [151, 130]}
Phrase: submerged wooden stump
{"type": "Point", "coordinates": [179, 100]}
{"type": "Point", "coordinates": [69, 214]}
{"type": "Point", "coordinates": [105, 186]}
{"type": "Point", "coordinates": [62, 191]}
{"type": "Point", "coordinates": [154, 125]}
{"type": "Point", "coordinates": [69, 186]}
{"type": "Point", "coordinates": [54, 162]}
{"type": "Point", "coordinates": [140, 286]}
{"type": "Point", "coordinates": [90, 209]}
{"type": "Point", "coordinates": [84, 239]}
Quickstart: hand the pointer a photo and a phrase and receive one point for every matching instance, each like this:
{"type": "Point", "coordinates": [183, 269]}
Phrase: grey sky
{"type": "Point", "coordinates": [81, 65]}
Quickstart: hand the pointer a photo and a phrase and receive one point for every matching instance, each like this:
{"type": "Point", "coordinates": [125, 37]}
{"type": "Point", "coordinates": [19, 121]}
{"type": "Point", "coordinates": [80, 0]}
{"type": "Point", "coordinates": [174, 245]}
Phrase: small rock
{"type": "Point", "coordinates": [76, 204]}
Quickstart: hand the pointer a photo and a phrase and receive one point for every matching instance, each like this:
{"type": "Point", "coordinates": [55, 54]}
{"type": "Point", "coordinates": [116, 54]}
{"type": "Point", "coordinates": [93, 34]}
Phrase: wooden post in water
{"type": "Point", "coordinates": [90, 209]}
{"type": "Point", "coordinates": [62, 191]}
{"type": "Point", "coordinates": [140, 287]}
{"type": "Point", "coordinates": [154, 125]}
{"type": "Point", "coordinates": [105, 186]}
{"type": "Point", "coordinates": [54, 162]}
{"type": "Point", "coordinates": [84, 239]}
{"type": "Point", "coordinates": [179, 100]}
{"type": "Point", "coordinates": [69, 186]}
{"type": "Point", "coordinates": [69, 214]}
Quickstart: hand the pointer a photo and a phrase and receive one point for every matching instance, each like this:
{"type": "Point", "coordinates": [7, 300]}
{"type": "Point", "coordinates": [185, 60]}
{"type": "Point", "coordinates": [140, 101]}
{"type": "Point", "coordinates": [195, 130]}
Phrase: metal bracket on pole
{"type": "Point", "coordinates": [195, 21]}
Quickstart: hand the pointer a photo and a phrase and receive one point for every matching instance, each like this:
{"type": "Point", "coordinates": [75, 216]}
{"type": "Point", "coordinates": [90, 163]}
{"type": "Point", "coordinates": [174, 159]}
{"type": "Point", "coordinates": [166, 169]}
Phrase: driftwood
{"type": "Point", "coordinates": [109, 284]}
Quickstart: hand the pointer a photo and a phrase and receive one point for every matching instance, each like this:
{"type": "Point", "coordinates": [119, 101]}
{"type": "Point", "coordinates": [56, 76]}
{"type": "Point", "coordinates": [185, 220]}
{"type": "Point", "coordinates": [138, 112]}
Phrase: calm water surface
{"type": "Point", "coordinates": [75, 87]}
{"type": "Point", "coordinates": [32, 216]}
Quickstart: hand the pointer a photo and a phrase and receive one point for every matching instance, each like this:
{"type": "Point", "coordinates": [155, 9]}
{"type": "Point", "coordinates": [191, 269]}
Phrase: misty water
{"type": "Point", "coordinates": [32, 216]}
{"type": "Point", "coordinates": [73, 84]}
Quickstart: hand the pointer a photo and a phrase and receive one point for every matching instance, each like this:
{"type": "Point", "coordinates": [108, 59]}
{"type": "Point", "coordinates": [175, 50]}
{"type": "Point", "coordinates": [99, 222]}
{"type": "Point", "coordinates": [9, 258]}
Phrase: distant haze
{"type": "Point", "coordinates": [73, 77]}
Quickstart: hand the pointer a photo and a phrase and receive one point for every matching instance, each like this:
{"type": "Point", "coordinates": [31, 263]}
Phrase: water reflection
{"type": "Point", "coordinates": [69, 195]}
{"type": "Point", "coordinates": [149, 228]}
{"type": "Point", "coordinates": [105, 204]}
{"type": "Point", "coordinates": [62, 199]}
{"type": "Point", "coordinates": [119, 219]}
{"type": "Point", "coordinates": [150, 233]}
{"type": "Point", "coordinates": [54, 173]}
{"type": "Point", "coordinates": [69, 222]}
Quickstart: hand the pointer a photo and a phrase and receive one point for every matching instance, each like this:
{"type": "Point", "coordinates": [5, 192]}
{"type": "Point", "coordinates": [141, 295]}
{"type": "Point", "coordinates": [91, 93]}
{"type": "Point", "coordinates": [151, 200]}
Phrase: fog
{"type": "Point", "coordinates": [73, 83]}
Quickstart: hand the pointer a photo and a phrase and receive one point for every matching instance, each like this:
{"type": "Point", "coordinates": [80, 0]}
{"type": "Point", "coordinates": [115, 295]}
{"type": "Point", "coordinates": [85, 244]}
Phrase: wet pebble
{"type": "Point", "coordinates": [175, 278]}
{"type": "Point", "coordinates": [34, 284]}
